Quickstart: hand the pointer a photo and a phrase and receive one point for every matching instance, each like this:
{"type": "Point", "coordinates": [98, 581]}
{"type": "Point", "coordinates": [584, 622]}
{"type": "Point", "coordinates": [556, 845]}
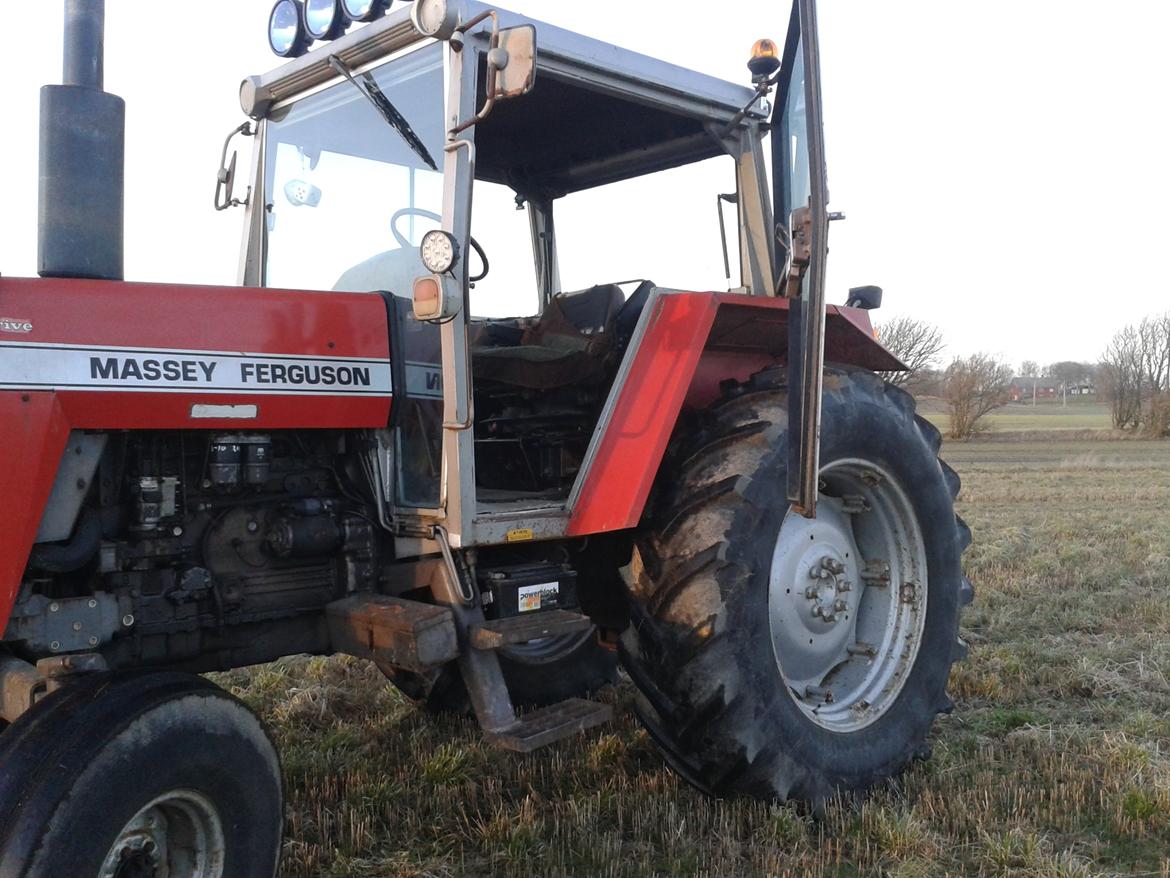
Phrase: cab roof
{"type": "Point", "coordinates": [598, 113]}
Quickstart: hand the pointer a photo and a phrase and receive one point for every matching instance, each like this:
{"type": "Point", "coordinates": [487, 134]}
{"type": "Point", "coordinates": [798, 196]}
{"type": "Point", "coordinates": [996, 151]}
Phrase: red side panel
{"type": "Point", "coordinates": [33, 433]}
{"type": "Point", "coordinates": [627, 460]}
{"type": "Point", "coordinates": [90, 355]}
{"type": "Point", "coordinates": [154, 356]}
{"type": "Point", "coordinates": [693, 342]}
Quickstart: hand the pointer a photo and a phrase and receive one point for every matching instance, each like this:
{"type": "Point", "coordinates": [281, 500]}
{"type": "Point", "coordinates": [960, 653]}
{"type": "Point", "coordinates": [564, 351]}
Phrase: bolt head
{"type": "Point", "coordinates": [55, 645]}
{"type": "Point", "coordinates": [54, 607]}
{"type": "Point", "coordinates": [93, 603]}
{"type": "Point", "coordinates": [127, 620]}
{"type": "Point", "coordinates": [76, 626]}
{"type": "Point", "coordinates": [93, 641]}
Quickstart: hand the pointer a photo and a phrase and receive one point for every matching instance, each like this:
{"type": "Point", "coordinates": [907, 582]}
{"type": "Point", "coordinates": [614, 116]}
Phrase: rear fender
{"type": "Point", "coordinates": [686, 345]}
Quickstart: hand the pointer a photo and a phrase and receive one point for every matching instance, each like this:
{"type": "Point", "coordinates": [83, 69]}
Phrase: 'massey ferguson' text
{"type": "Point", "coordinates": [197, 371]}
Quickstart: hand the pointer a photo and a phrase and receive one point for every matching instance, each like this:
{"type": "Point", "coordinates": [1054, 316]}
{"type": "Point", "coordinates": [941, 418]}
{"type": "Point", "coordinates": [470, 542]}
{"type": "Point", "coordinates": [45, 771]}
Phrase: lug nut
{"type": "Point", "coordinates": [811, 592]}
{"type": "Point", "coordinates": [839, 605]}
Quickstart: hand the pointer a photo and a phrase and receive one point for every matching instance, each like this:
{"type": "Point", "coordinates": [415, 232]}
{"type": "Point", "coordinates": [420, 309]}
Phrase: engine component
{"type": "Point", "coordinates": [226, 456]}
{"type": "Point", "coordinates": [157, 500]}
{"type": "Point", "coordinates": [54, 625]}
{"type": "Point", "coordinates": [236, 460]}
{"type": "Point", "coordinates": [257, 460]}
{"type": "Point", "coordinates": [74, 477]}
{"type": "Point", "coordinates": [304, 536]}
{"type": "Point", "coordinates": [74, 553]}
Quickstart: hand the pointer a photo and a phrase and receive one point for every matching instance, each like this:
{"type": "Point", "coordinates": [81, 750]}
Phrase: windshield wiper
{"type": "Point", "coordinates": [386, 110]}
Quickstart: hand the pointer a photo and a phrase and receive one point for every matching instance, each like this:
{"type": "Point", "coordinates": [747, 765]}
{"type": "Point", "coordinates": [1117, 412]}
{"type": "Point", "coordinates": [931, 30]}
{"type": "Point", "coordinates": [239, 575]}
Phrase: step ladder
{"type": "Point", "coordinates": [419, 636]}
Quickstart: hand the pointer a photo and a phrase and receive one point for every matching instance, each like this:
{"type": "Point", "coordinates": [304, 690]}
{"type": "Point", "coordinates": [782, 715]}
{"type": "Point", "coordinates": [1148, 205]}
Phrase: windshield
{"type": "Point", "coordinates": [348, 197]}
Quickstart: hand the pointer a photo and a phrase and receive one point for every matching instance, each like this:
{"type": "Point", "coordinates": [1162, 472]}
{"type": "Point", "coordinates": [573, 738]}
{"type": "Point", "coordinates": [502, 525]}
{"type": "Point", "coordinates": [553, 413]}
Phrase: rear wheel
{"type": "Point", "coordinates": [141, 774]}
{"type": "Point", "coordinates": [792, 658]}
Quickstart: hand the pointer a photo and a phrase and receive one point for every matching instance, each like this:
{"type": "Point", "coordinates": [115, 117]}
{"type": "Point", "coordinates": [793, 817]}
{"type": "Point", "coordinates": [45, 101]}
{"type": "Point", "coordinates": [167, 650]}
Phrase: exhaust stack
{"type": "Point", "coordinates": [82, 158]}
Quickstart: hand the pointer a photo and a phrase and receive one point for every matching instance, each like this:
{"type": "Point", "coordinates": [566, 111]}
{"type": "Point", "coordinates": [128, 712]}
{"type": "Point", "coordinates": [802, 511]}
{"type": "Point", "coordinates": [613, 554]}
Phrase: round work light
{"type": "Point", "coordinates": [286, 29]}
{"type": "Point", "coordinates": [364, 10]}
{"type": "Point", "coordinates": [324, 19]}
{"type": "Point", "coordinates": [439, 250]}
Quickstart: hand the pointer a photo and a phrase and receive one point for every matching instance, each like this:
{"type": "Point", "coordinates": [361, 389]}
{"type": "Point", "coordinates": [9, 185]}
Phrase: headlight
{"type": "Point", "coordinates": [286, 30]}
{"type": "Point", "coordinates": [439, 250]}
{"type": "Point", "coordinates": [324, 19]}
{"type": "Point", "coordinates": [364, 10]}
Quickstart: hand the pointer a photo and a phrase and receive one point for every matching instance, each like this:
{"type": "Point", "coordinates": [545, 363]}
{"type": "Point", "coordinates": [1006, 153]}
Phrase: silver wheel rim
{"type": "Point", "coordinates": [178, 835]}
{"type": "Point", "coordinates": [547, 649]}
{"type": "Point", "coordinates": [847, 597]}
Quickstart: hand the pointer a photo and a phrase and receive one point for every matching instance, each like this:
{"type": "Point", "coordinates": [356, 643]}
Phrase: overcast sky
{"type": "Point", "coordinates": [1003, 165]}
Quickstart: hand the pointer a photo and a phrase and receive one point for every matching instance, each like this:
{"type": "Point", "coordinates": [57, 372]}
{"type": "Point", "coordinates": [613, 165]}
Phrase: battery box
{"type": "Point", "coordinates": [527, 588]}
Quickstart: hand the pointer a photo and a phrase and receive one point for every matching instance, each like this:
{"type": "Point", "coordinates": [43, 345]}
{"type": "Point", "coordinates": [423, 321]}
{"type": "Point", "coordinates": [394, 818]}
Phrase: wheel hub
{"type": "Point", "coordinates": [847, 597]}
{"type": "Point", "coordinates": [178, 835]}
{"type": "Point", "coordinates": [829, 589]}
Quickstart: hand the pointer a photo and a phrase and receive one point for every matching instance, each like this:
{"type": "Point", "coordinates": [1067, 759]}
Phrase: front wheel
{"type": "Point", "coordinates": [792, 658]}
{"type": "Point", "coordinates": [139, 774]}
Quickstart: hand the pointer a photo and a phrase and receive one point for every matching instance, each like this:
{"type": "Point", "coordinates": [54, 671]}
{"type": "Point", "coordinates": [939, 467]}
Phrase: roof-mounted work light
{"type": "Point", "coordinates": [286, 29]}
{"type": "Point", "coordinates": [324, 19]}
{"type": "Point", "coordinates": [364, 10]}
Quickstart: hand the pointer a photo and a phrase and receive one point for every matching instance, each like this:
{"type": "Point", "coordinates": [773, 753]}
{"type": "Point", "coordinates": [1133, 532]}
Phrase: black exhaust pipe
{"type": "Point", "coordinates": [82, 158]}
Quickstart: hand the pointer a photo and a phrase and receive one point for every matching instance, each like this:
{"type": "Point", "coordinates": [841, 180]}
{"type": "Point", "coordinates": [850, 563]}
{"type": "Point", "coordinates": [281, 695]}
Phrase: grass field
{"type": "Point", "coordinates": [1045, 415]}
{"type": "Point", "coordinates": [1056, 761]}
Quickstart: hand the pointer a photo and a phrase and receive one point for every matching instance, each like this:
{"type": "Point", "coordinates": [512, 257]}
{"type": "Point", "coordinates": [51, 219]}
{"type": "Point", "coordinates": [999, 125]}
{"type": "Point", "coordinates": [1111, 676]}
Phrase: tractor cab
{"type": "Point", "coordinates": [526, 183]}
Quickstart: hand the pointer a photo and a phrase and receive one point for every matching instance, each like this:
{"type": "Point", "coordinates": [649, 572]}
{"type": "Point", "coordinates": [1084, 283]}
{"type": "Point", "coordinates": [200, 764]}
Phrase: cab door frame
{"type": "Point", "coordinates": [796, 232]}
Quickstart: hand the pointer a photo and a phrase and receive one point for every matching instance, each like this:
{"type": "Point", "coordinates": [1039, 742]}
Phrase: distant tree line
{"type": "Point", "coordinates": [972, 386]}
{"type": "Point", "coordinates": [1134, 376]}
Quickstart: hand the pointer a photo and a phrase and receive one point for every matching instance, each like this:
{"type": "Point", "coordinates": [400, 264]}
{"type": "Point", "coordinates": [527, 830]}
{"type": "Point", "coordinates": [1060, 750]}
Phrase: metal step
{"type": "Point", "coordinates": [406, 634]}
{"type": "Point", "coordinates": [494, 633]}
{"type": "Point", "coordinates": [550, 724]}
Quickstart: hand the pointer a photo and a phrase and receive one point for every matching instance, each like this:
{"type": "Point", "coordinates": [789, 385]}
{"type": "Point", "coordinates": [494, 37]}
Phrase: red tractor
{"type": "Point", "coordinates": [712, 489]}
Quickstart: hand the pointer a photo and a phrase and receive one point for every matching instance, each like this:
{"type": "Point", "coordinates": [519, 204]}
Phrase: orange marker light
{"type": "Point", "coordinates": [765, 59]}
{"type": "Point", "coordinates": [427, 297]}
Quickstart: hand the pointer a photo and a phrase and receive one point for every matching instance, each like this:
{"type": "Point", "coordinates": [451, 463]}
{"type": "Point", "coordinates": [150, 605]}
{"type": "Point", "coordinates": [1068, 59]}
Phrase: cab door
{"type": "Point", "coordinates": [800, 204]}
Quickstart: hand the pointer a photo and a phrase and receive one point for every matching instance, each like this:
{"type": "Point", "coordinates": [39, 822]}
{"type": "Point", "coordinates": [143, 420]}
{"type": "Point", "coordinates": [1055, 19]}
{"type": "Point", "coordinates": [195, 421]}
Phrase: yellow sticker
{"type": "Point", "coordinates": [520, 534]}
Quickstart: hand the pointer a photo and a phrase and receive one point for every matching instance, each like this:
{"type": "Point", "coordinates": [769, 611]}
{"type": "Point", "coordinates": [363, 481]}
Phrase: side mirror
{"type": "Point", "coordinates": [225, 177]}
{"type": "Point", "coordinates": [511, 64]}
{"type": "Point", "coordinates": [514, 62]}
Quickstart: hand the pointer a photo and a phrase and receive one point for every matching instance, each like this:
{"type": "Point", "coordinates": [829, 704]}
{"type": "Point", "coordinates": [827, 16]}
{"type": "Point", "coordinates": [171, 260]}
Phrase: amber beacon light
{"type": "Point", "coordinates": [765, 59]}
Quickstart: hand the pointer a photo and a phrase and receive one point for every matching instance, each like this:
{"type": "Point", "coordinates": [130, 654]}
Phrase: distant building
{"type": "Point", "coordinates": [1021, 389]}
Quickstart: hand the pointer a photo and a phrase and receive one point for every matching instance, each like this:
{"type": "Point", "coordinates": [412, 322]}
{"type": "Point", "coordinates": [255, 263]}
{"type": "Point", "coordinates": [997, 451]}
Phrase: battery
{"type": "Point", "coordinates": [526, 588]}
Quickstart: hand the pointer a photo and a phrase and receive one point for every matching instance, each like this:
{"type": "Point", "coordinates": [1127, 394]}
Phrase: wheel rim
{"type": "Point", "coordinates": [547, 649]}
{"type": "Point", "coordinates": [178, 835]}
{"type": "Point", "coordinates": [847, 597]}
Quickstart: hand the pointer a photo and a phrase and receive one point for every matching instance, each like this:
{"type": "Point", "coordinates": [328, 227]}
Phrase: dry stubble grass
{"type": "Point", "coordinates": [1055, 763]}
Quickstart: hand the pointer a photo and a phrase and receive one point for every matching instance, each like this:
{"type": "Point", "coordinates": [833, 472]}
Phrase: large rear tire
{"type": "Point", "coordinates": [786, 658]}
{"type": "Point", "coordinates": [139, 774]}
